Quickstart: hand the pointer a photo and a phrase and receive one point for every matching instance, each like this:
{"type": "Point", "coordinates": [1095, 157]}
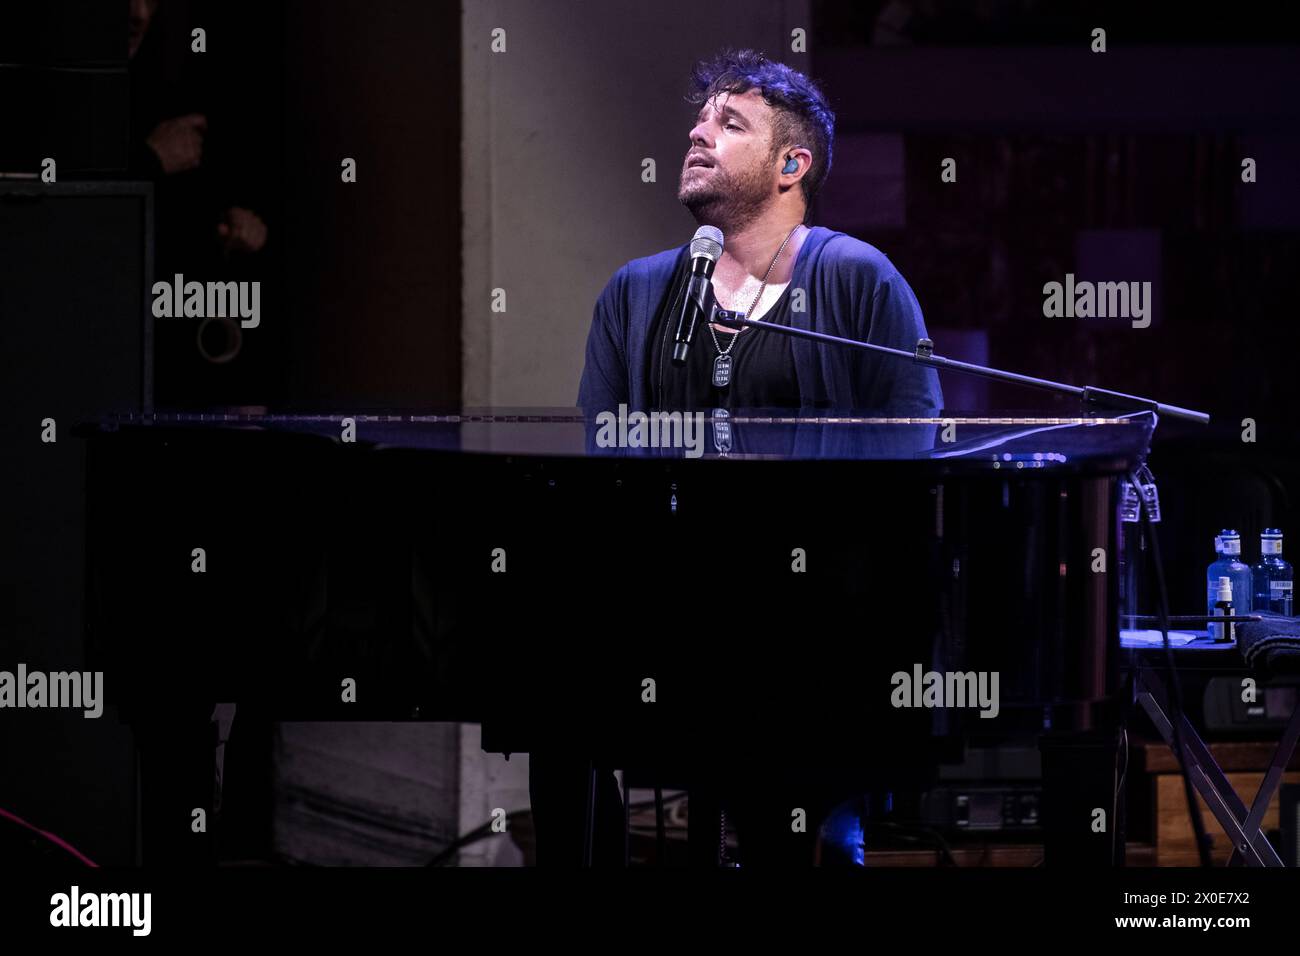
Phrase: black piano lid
{"type": "Point", "coordinates": [1013, 441]}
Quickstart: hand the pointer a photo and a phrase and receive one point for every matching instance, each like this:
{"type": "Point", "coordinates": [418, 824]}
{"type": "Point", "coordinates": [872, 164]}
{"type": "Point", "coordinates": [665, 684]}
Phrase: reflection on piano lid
{"type": "Point", "coordinates": [1008, 441]}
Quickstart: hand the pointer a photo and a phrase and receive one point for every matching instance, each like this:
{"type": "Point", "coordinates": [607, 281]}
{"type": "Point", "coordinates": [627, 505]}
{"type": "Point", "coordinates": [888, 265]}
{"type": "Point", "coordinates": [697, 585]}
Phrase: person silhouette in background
{"type": "Point", "coordinates": [171, 152]}
{"type": "Point", "coordinates": [190, 136]}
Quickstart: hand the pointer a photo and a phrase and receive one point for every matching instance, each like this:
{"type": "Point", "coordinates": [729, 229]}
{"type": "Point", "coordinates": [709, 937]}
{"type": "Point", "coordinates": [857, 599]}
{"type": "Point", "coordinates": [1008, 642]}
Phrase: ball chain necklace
{"type": "Point", "coordinates": [722, 364]}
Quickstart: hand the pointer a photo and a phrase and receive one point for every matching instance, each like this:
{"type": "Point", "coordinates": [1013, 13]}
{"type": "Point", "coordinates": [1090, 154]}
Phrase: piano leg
{"type": "Point", "coordinates": [561, 786]}
{"type": "Point", "coordinates": [589, 814]}
{"type": "Point", "coordinates": [1081, 813]}
{"type": "Point", "coordinates": [176, 766]}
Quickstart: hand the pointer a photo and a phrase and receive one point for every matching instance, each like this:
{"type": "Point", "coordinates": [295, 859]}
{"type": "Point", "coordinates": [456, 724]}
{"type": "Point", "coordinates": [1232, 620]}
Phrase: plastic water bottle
{"type": "Point", "coordinates": [1222, 630]}
{"type": "Point", "coordinates": [1228, 546]}
{"type": "Point", "coordinates": [1272, 575]}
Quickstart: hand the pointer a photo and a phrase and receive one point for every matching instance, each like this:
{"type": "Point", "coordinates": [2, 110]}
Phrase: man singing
{"type": "Point", "coordinates": [760, 150]}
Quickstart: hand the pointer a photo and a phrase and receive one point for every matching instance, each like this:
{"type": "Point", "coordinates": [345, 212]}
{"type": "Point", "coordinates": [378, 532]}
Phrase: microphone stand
{"type": "Point", "coordinates": [923, 354]}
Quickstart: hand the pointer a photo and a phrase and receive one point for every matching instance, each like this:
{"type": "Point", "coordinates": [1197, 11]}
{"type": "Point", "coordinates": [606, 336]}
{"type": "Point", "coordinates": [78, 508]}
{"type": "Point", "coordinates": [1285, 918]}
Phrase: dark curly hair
{"type": "Point", "coordinates": [802, 114]}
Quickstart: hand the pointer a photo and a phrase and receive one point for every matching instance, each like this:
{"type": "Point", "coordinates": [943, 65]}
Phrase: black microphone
{"type": "Point", "coordinates": [706, 247]}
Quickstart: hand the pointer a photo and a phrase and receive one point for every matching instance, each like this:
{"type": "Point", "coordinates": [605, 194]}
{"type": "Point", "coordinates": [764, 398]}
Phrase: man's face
{"type": "Point", "coordinates": [729, 175]}
{"type": "Point", "coordinates": [141, 13]}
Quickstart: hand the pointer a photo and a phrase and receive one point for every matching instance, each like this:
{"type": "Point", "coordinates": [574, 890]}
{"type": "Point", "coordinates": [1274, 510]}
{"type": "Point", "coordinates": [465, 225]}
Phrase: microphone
{"type": "Point", "coordinates": [706, 247]}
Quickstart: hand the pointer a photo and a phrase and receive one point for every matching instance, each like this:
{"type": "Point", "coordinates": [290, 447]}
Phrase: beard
{"type": "Point", "coordinates": [729, 200]}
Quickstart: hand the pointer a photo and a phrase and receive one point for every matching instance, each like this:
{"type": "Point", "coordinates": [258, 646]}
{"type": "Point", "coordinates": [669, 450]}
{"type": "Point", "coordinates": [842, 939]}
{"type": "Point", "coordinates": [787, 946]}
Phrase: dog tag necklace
{"type": "Point", "coordinates": [722, 364]}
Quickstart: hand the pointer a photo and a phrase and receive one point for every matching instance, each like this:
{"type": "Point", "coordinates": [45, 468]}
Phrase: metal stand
{"type": "Point", "coordinates": [1242, 826]}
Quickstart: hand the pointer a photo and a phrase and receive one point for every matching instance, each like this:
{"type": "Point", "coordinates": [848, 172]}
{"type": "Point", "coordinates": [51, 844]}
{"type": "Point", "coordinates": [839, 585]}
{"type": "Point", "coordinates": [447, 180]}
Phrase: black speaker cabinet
{"type": "Point", "coordinates": [75, 342]}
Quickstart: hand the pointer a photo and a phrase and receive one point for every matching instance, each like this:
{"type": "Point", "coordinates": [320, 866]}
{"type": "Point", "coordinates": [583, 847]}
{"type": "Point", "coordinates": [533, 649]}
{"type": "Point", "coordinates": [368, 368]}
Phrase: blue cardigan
{"type": "Point", "coordinates": [852, 290]}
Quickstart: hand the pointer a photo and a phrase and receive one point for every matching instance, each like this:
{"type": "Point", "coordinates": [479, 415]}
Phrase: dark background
{"type": "Point", "coordinates": [361, 292]}
{"type": "Point", "coordinates": [1124, 164]}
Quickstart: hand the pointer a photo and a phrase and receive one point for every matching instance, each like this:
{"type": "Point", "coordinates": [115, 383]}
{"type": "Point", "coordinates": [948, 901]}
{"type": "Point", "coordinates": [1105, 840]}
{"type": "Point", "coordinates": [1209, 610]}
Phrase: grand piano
{"type": "Point", "coordinates": [754, 597]}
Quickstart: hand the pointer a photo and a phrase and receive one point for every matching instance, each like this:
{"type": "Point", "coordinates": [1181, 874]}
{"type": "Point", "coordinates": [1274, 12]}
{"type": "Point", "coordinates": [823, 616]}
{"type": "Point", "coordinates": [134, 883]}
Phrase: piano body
{"type": "Point", "coordinates": [756, 600]}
